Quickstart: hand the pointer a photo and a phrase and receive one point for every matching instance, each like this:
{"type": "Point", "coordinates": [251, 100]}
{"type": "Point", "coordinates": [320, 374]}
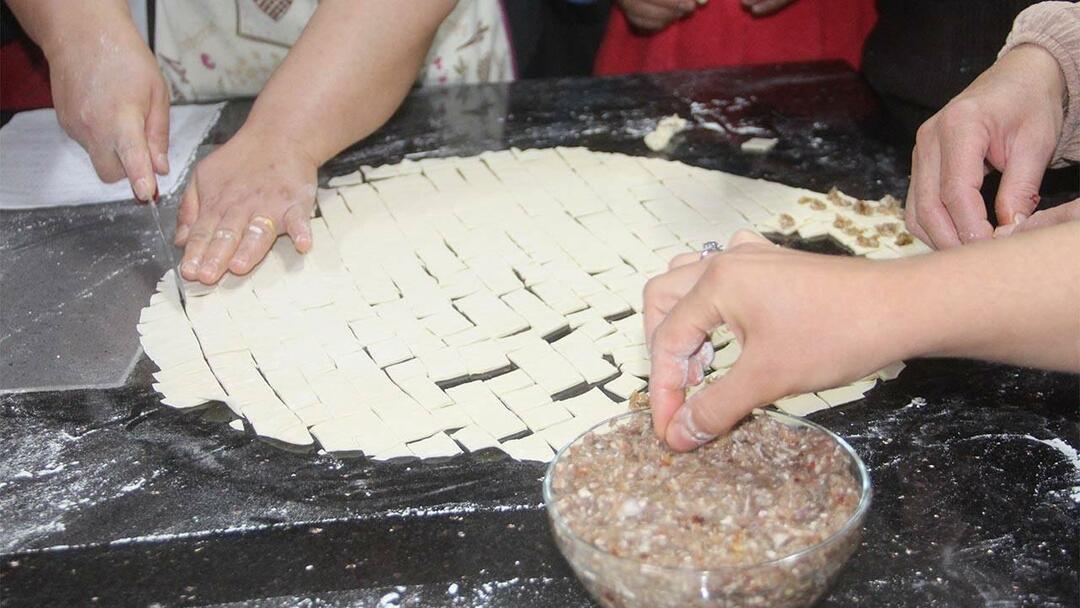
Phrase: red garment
{"type": "Point", "coordinates": [24, 77]}
{"type": "Point", "coordinates": [723, 33]}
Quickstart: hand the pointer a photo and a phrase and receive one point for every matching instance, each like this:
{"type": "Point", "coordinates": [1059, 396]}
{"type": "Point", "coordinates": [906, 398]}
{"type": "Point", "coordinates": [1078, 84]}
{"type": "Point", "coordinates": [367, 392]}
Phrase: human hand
{"type": "Point", "coordinates": [760, 8]}
{"type": "Point", "coordinates": [241, 197]}
{"type": "Point", "coordinates": [652, 15]}
{"type": "Point", "coordinates": [805, 322]}
{"type": "Point", "coordinates": [1010, 118]}
{"type": "Point", "coordinates": [111, 97]}
{"type": "Point", "coordinates": [1068, 212]}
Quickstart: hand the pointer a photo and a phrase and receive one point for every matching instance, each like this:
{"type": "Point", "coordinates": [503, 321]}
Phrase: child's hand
{"type": "Point", "coordinates": [652, 15]}
{"type": "Point", "coordinates": [241, 197]}
{"type": "Point", "coordinates": [804, 321]}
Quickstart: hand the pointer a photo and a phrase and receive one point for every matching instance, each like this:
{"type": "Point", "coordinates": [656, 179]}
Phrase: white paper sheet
{"type": "Point", "coordinates": [40, 166]}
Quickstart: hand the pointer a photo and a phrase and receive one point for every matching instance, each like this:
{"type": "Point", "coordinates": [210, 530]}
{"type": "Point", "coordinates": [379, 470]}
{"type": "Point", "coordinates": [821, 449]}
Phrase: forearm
{"type": "Point", "coordinates": [1013, 300]}
{"type": "Point", "coordinates": [347, 74]}
{"type": "Point", "coordinates": [51, 23]}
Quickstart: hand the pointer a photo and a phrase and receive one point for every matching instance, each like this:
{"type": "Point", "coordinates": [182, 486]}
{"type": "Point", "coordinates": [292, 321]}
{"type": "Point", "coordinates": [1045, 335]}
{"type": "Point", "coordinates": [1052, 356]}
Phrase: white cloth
{"type": "Point", "coordinates": [40, 166]}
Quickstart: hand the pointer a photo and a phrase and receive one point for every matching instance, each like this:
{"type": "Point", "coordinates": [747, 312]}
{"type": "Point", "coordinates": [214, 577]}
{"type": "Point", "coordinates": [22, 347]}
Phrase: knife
{"type": "Point", "coordinates": [168, 251]}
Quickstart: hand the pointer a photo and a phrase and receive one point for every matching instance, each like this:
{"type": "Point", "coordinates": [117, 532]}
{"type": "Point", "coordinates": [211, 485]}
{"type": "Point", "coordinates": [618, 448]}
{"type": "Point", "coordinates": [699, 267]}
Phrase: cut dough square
{"type": "Point", "coordinates": [336, 438]}
{"type": "Point", "coordinates": [892, 371]}
{"type": "Point", "coordinates": [531, 448]}
{"type": "Point", "coordinates": [469, 336]}
{"type": "Point", "coordinates": [639, 368]}
{"type": "Point", "coordinates": [438, 445]}
{"type": "Point", "coordinates": [425, 392]}
{"type": "Point", "coordinates": [540, 418]}
{"type": "Point", "coordinates": [846, 394]}
{"type": "Point", "coordinates": [543, 320]}
{"type": "Point", "coordinates": [625, 385]}
{"type": "Point", "coordinates": [609, 344]}
{"type": "Point", "coordinates": [452, 417]}
{"type": "Point", "coordinates": [444, 365]}
{"type": "Point", "coordinates": [474, 438]}
{"type": "Point", "coordinates": [411, 424]}
{"type": "Point", "coordinates": [389, 352]}
{"type": "Point", "coordinates": [508, 382]}
{"type": "Point", "coordinates": [559, 297]}
{"type": "Point", "coordinates": [726, 357]}
{"type": "Point", "coordinates": [483, 358]}
{"type": "Point", "coordinates": [801, 405]}
{"type": "Point", "coordinates": [447, 323]}
{"type": "Point", "coordinates": [496, 420]}
{"type": "Point", "coordinates": [596, 329]}
{"type": "Point", "coordinates": [607, 304]}
{"type": "Point", "coordinates": [491, 315]}
{"type": "Point", "coordinates": [593, 405]}
{"type": "Point", "coordinates": [412, 368]}
{"type": "Point", "coordinates": [560, 435]}
{"type": "Point", "coordinates": [371, 330]}
{"type": "Point", "coordinates": [524, 399]}
{"type": "Point", "coordinates": [547, 368]}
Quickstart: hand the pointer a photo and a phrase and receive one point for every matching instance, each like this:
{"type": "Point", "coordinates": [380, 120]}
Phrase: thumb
{"type": "Point", "coordinates": [1019, 189]}
{"type": "Point", "coordinates": [717, 408]}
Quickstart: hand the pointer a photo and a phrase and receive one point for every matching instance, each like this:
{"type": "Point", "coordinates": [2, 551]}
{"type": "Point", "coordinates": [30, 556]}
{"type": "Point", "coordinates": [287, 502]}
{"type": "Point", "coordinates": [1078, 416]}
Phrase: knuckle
{"type": "Point", "coordinates": [958, 111]}
{"type": "Point", "coordinates": [926, 132]}
{"type": "Point", "coordinates": [653, 289]}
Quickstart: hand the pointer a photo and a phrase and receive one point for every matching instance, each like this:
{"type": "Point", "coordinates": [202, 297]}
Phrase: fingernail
{"type": "Point", "coordinates": [190, 266]}
{"type": "Point", "coordinates": [1019, 217]}
{"type": "Point", "coordinates": [182, 233]}
{"type": "Point", "coordinates": [684, 430]}
{"type": "Point", "coordinates": [143, 189]}
{"type": "Point", "coordinates": [1005, 230]}
{"type": "Point", "coordinates": [163, 161]}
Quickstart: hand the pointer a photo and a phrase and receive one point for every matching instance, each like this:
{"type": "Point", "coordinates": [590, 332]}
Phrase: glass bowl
{"type": "Point", "coordinates": [789, 581]}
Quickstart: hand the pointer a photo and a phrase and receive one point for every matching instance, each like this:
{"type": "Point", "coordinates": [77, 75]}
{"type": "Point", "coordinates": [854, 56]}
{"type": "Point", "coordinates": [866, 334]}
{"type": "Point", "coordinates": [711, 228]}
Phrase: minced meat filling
{"type": "Point", "coordinates": [762, 492]}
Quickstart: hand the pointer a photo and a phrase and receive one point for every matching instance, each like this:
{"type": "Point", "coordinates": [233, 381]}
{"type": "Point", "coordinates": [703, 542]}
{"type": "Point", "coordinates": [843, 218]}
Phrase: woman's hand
{"type": "Point", "coordinates": [653, 15]}
{"type": "Point", "coordinates": [761, 8]}
{"type": "Point", "coordinates": [241, 197]}
{"type": "Point", "coordinates": [110, 97]}
{"type": "Point", "coordinates": [1010, 118]}
{"type": "Point", "coordinates": [784, 308]}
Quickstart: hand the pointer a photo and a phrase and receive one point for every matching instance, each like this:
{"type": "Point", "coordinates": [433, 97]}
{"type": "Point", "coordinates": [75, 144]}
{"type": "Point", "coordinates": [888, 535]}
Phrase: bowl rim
{"type": "Point", "coordinates": [853, 520]}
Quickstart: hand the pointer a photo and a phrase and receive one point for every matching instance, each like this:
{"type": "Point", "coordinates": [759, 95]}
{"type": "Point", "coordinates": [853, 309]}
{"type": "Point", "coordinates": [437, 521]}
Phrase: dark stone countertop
{"type": "Point", "coordinates": [107, 498]}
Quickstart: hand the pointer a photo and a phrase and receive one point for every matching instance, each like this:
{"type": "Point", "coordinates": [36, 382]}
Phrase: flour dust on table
{"type": "Point", "coordinates": [455, 304]}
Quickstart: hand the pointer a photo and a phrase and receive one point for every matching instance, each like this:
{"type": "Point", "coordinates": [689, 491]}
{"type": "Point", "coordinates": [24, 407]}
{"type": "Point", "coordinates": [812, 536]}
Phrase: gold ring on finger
{"type": "Point", "coordinates": [261, 223]}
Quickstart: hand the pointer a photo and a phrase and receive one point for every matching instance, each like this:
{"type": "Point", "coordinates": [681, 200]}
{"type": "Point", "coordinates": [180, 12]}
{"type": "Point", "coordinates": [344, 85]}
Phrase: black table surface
{"type": "Point", "coordinates": [107, 498]}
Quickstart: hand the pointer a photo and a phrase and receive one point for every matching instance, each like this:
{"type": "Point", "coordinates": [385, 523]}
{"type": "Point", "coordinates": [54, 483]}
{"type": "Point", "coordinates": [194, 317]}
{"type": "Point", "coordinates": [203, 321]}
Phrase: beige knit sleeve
{"type": "Point", "coordinates": [1055, 26]}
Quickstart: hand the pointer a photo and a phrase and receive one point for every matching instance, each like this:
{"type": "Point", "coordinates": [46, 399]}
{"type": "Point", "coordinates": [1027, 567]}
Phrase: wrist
{"type": "Point", "coordinates": [284, 136]}
{"type": "Point", "coordinates": [261, 136]}
{"type": "Point", "coordinates": [71, 29]}
{"type": "Point", "coordinates": [1044, 69]}
{"type": "Point", "coordinates": [894, 320]}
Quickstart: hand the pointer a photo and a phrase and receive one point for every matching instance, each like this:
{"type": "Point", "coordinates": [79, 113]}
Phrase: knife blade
{"type": "Point", "coordinates": [168, 252]}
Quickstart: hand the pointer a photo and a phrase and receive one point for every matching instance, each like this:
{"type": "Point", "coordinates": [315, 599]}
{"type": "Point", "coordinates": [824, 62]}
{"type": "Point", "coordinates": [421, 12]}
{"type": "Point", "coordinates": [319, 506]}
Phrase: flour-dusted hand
{"type": "Point", "coordinates": [652, 15]}
{"type": "Point", "coordinates": [241, 197]}
{"type": "Point", "coordinates": [109, 93]}
{"type": "Point", "coordinates": [1010, 118]}
{"type": "Point", "coordinates": [781, 306]}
